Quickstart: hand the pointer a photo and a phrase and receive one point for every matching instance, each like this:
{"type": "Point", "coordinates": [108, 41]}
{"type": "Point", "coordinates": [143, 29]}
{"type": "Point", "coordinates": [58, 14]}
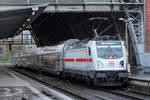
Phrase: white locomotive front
{"type": "Point", "coordinates": [103, 63]}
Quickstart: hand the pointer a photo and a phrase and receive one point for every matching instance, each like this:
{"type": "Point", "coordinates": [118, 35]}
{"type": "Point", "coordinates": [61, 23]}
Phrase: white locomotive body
{"type": "Point", "coordinates": [102, 63]}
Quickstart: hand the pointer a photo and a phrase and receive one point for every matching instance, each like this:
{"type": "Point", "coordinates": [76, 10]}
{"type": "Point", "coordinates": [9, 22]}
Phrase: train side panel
{"type": "Point", "coordinates": [77, 59]}
{"type": "Point", "coordinates": [50, 62]}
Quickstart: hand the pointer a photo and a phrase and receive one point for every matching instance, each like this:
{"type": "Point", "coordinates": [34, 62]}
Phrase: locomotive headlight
{"type": "Point", "coordinates": [100, 64]}
{"type": "Point", "coordinates": [121, 63]}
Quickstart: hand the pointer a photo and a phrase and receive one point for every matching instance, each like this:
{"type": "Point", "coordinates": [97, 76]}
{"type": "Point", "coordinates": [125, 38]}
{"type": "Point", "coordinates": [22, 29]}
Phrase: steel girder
{"type": "Point", "coordinates": [136, 28]}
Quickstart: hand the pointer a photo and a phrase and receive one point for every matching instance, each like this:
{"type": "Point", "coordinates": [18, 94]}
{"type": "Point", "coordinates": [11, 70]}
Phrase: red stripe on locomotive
{"type": "Point", "coordinates": [71, 60]}
{"type": "Point", "coordinates": [83, 60]}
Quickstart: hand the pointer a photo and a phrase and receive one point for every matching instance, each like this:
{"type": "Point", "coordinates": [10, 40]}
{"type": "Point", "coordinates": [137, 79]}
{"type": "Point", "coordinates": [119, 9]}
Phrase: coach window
{"type": "Point", "coordinates": [89, 51]}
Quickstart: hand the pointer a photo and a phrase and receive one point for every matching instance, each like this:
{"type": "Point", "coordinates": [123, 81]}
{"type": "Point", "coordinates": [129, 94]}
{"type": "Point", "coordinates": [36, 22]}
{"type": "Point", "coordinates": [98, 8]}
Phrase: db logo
{"type": "Point", "coordinates": [111, 63]}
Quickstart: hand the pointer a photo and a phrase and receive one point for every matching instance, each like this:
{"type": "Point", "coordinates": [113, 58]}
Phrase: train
{"type": "Point", "coordinates": [100, 63]}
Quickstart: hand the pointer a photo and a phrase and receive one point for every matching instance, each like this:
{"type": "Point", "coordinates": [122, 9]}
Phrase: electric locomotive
{"type": "Point", "coordinates": [103, 63]}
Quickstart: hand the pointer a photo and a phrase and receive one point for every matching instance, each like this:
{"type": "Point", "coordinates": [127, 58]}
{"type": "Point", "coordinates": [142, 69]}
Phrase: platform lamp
{"type": "Point", "coordinates": [126, 21]}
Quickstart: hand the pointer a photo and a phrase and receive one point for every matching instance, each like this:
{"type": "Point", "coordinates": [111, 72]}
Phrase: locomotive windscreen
{"type": "Point", "coordinates": [109, 51]}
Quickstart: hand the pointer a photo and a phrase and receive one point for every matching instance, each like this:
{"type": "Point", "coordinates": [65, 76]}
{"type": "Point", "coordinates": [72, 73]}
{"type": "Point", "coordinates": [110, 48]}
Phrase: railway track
{"type": "Point", "coordinates": [120, 92]}
{"type": "Point", "coordinates": [136, 94]}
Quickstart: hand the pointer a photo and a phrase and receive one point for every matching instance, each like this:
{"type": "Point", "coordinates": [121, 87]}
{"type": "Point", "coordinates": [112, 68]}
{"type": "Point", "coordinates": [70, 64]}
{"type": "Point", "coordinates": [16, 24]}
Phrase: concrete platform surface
{"type": "Point", "coordinates": [6, 79]}
{"type": "Point", "coordinates": [140, 77]}
{"type": "Point", "coordinates": [13, 88]}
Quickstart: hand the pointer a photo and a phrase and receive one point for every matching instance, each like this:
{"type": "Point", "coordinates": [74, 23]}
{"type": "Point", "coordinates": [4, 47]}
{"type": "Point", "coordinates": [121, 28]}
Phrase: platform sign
{"type": "Point", "coordinates": [1, 51]}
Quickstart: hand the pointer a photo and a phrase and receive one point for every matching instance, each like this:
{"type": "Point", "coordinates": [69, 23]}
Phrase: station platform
{"type": "Point", "coordinates": [140, 77]}
{"type": "Point", "coordinates": [140, 83]}
{"type": "Point", "coordinates": [14, 88]}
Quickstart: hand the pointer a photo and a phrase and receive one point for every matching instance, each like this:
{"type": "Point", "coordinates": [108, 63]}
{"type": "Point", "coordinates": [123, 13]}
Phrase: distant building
{"type": "Point", "coordinates": [24, 38]}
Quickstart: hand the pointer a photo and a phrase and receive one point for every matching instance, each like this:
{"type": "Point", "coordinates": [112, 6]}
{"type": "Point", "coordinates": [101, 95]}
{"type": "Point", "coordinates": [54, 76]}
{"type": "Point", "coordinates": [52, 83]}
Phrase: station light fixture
{"type": "Point", "coordinates": [17, 32]}
{"type": "Point", "coordinates": [23, 25]}
{"type": "Point", "coordinates": [98, 18]}
{"type": "Point", "coordinates": [33, 13]}
{"type": "Point", "coordinates": [126, 21]}
{"type": "Point", "coordinates": [28, 19]}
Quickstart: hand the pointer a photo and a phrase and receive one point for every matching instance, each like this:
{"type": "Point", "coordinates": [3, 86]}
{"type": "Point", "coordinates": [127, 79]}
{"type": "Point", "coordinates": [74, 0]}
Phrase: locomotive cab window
{"type": "Point", "coordinates": [109, 51]}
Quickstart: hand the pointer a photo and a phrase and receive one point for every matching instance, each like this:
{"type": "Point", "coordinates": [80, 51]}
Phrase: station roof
{"type": "Point", "coordinates": [53, 28]}
{"type": "Point", "coordinates": [14, 20]}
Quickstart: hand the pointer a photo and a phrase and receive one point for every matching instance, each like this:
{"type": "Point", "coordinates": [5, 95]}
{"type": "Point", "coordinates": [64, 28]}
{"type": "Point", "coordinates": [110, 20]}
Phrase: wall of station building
{"type": "Point", "coordinates": [146, 55]}
{"type": "Point", "coordinates": [148, 26]}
